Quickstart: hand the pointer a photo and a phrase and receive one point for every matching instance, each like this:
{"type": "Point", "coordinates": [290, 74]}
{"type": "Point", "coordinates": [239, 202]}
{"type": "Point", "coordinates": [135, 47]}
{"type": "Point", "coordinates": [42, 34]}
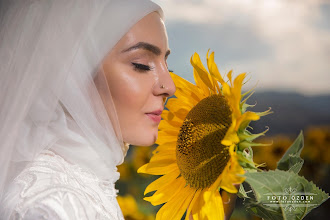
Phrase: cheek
{"type": "Point", "coordinates": [129, 91]}
{"type": "Point", "coordinates": [133, 97]}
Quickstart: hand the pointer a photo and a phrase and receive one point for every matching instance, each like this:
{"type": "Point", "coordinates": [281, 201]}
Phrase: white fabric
{"type": "Point", "coordinates": [51, 188]}
{"type": "Point", "coordinates": [53, 90]}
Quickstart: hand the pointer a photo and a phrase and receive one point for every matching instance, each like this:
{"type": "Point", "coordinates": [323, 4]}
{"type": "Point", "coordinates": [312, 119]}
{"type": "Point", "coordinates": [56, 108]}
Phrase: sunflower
{"type": "Point", "coordinates": [201, 141]}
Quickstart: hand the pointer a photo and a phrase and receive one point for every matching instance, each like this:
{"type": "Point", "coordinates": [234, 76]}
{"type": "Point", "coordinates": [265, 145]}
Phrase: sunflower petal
{"type": "Point", "coordinates": [168, 132]}
{"type": "Point", "coordinates": [182, 83]}
{"type": "Point", "coordinates": [163, 155]}
{"type": "Point", "coordinates": [170, 146]}
{"type": "Point", "coordinates": [200, 83]}
{"type": "Point", "coordinates": [193, 96]}
{"type": "Point", "coordinates": [231, 136]}
{"type": "Point", "coordinates": [160, 182]}
{"type": "Point", "coordinates": [186, 88]}
{"type": "Point", "coordinates": [177, 206]}
{"type": "Point", "coordinates": [214, 71]}
{"type": "Point", "coordinates": [238, 82]}
{"type": "Point", "coordinates": [168, 125]}
{"type": "Point", "coordinates": [167, 192]}
{"type": "Point", "coordinates": [196, 197]}
{"type": "Point", "coordinates": [201, 76]}
{"type": "Point", "coordinates": [229, 76]}
{"type": "Point", "coordinates": [159, 168]}
{"type": "Point", "coordinates": [175, 105]}
{"type": "Point", "coordinates": [209, 207]}
{"type": "Point", "coordinates": [234, 175]}
{"type": "Point", "coordinates": [245, 119]}
{"type": "Point", "coordinates": [166, 139]}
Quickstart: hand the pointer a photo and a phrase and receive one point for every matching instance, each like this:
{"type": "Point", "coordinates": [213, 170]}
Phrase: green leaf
{"type": "Point", "coordinates": [269, 188]}
{"type": "Point", "coordinates": [245, 159]}
{"type": "Point", "coordinates": [291, 160]}
{"type": "Point", "coordinates": [241, 192]}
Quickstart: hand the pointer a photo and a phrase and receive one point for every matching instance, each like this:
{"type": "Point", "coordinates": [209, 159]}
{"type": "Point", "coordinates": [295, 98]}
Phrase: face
{"type": "Point", "coordinates": [139, 81]}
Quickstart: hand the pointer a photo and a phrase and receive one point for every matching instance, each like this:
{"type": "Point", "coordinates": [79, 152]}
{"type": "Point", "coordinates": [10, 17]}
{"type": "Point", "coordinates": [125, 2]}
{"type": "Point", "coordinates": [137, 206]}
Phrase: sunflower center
{"type": "Point", "coordinates": [200, 155]}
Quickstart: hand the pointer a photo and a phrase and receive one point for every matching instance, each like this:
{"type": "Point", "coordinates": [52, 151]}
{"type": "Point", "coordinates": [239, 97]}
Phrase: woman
{"type": "Point", "coordinates": [79, 81]}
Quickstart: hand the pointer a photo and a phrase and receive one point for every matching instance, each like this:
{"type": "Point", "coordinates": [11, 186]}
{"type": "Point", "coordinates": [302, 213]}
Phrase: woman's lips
{"type": "Point", "coordinates": [156, 118]}
{"type": "Point", "coordinates": [155, 115]}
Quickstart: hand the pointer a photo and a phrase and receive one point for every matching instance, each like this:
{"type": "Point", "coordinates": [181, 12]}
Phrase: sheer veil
{"type": "Point", "coordinates": [53, 92]}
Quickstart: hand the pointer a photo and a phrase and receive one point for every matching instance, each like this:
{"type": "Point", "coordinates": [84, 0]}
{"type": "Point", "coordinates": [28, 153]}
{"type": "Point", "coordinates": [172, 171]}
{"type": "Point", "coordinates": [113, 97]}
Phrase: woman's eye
{"type": "Point", "coordinates": [141, 67]}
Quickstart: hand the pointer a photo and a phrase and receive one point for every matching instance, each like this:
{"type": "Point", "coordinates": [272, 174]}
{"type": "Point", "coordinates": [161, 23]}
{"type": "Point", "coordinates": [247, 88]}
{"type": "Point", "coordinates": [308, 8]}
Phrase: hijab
{"type": "Point", "coordinates": [52, 87]}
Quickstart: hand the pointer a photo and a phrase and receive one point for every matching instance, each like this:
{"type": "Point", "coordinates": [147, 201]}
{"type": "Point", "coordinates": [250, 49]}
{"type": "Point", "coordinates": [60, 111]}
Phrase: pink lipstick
{"type": "Point", "coordinates": [155, 115]}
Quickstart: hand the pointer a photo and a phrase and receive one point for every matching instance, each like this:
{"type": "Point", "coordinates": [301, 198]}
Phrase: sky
{"type": "Point", "coordinates": [283, 45]}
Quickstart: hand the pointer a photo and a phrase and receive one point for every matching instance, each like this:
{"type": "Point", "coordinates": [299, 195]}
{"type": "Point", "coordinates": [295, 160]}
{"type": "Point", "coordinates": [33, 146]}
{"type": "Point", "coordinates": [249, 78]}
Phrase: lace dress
{"type": "Point", "coordinates": [52, 188]}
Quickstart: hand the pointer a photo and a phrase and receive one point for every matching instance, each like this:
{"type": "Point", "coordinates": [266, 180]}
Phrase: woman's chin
{"type": "Point", "coordinates": [144, 140]}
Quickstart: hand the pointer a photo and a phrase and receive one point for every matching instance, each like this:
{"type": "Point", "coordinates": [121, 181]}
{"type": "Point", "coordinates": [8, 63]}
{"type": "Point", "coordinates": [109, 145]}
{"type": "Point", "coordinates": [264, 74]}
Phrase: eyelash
{"type": "Point", "coordinates": [142, 67]}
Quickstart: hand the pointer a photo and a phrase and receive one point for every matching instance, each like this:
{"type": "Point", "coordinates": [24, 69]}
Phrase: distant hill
{"type": "Point", "coordinates": [292, 111]}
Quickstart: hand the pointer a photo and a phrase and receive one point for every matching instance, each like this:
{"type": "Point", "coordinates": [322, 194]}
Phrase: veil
{"type": "Point", "coordinates": [53, 92]}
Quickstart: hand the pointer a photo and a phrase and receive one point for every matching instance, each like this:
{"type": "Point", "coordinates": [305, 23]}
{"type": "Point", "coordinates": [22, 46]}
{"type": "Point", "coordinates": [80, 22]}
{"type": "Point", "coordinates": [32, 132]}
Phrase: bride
{"type": "Point", "coordinates": [79, 80]}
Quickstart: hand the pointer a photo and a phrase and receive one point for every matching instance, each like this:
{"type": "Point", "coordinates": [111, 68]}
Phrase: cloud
{"type": "Point", "coordinates": [283, 44]}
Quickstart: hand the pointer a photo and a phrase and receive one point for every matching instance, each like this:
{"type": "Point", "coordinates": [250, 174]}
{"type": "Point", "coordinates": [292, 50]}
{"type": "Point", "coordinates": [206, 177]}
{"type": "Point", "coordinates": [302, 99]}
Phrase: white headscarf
{"type": "Point", "coordinates": [50, 54]}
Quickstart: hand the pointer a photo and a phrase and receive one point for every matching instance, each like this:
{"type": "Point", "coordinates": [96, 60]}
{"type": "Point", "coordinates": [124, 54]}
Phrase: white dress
{"type": "Point", "coordinates": [52, 188]}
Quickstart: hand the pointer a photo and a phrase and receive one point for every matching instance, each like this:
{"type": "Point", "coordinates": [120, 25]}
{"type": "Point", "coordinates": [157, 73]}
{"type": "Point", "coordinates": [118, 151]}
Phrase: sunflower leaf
{"type": "Point", "coordinates": [246, 161]}
{"type": "Point", "coordinates": [241, 192]}
{"type": "Point", "coordinates": [281, 195]}
{"type": "Point", "coordinates": [291, 160]}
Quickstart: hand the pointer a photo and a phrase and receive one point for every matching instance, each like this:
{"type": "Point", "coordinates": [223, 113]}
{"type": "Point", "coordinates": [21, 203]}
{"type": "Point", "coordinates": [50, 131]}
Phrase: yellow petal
{"type": "Point", "coordinates": [238, 82]}
{"type": "Point", "coordinates": [229, 76]}
{"type": "Point", "coordinates": [245, 119]}
{"type": "Point", "coordinates": [196, 197]}
{"type": "Point", "coordinates": [209, 207]}
{"type": "Point", "coordinates": [170, 146]}
{"type": "Point", "coordinates": [163, 155]}
{"type": "Point", "coordinates": [192, 97]}
{"type": "Point", "coordinates": [186, 88]}
{"type": "Point", "coordinates": [168, 125]}
{"type": "Point", "coordinates": [169, 132]}
{"type": "Point", "coordinates": [200, 83]}
{"type": "Point", "coordinates": [202, 73]}
{"type": "Point", "coordinates": [162, 181]}
{"type": "Point", "coordinates": [212, 66]}
{"type": "Point", "coordinates": [177, 206]}
{"type": "Point", "coordinates": [181, 114]}
{"type": "Point", "coordinates": [228, 184]}
{"type": "Point", "coordinates": [167, 192]}
{"type": "Point", "coordinates": [182, 83]}
{"type": "Point", "coordinates": [167, 115]}
{"type": "Point", "coordinates": [226, 90]}
{"type": "Point", "coordinates": [175, 104]}
{"type": "Point", "coordinates": [159, 168]}
{"type": "Point", "coordinates": [163, 140]}
{"type": "Point", "coordinates": [231, 136]}
{"type": "Point", "coordinates": [233, 172]}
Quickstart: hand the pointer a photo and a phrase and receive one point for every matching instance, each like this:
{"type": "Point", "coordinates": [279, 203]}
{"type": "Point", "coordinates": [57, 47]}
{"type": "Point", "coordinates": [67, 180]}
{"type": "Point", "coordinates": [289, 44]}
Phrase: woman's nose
{"type": "Point", "coordinates": [165, 85]}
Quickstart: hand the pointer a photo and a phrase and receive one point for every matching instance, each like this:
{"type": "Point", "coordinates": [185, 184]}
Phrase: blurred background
{"type": "Point", "coordinates": [284, 46]}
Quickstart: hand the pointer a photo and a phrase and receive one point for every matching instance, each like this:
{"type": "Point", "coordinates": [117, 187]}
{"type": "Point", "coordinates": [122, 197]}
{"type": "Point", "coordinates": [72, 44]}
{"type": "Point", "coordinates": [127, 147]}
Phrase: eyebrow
{"type": "Point", "coordinates": [146, 46]}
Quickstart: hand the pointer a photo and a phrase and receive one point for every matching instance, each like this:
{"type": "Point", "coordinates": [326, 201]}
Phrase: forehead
{"type": "Point", "coordinates": [149, 29]}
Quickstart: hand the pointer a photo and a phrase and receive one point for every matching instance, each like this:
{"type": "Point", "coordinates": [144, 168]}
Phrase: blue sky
{"type": "Point", "coordinates": [282, 44]}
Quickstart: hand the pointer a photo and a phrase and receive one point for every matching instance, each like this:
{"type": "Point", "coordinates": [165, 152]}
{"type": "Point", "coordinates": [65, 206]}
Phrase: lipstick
{"type": "Point", "coordinates": [155, 115]}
